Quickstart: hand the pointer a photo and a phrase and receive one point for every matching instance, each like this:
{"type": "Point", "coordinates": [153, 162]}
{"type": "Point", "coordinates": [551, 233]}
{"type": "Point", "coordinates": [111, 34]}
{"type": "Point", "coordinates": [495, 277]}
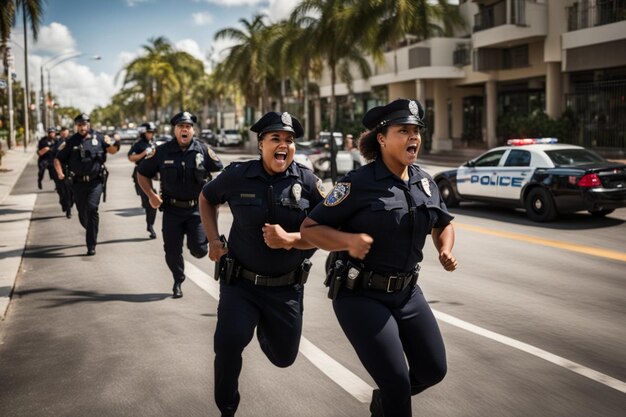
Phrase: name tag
{"type": "Point", "coordinates": [168, 162]}
{"type": "Point", "coordinates": [247, 195]}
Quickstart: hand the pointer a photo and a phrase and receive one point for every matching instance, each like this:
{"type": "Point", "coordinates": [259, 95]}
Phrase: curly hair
{"type": "Point", "coordinates": [368, 144]}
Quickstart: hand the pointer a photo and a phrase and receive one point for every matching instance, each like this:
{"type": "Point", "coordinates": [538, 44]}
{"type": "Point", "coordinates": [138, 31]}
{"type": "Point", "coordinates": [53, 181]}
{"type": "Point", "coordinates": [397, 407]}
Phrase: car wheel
{"type": "Point", "coordinates": [447, 193]}
{"type": "Point", "coordinates": [540, 205]}
{"type": "Point", "coordinates": [600, 213]}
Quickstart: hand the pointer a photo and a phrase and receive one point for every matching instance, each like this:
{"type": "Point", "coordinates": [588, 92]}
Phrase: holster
{"type": "Point", "coordinates": [334, 278]}
{"type": "Point", "coordinates": [304, 269]}
{"type": "Point", "coordinates": [225, 269]}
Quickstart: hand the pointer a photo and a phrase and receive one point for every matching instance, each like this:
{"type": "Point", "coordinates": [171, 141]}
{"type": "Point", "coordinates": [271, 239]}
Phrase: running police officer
{"type": "Point", "coordinates": [184, 166]}
{"type": "Point", "coordinates": [266, 261]}
{"type": "Point", "coordinates": [378, 217]}
{"type": "Point", "coordinates": [140, 149]}
{"type": "Point", "coordinates": [46, 155]}
{"type": "Point", "coordinates": [85, 153]}
{"type": "Point", "coordinates": [63, 187]}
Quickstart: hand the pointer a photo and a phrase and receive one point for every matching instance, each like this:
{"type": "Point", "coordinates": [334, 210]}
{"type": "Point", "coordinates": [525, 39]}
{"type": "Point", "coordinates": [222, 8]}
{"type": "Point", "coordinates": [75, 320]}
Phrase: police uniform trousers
{"type": "Point", "coordinates": [275, 312]}
{"type": "Point", "coordinates": [44, 165]}
{"type": "Point", "coordinates": [64, 190]}
{"type": "Point", "coordinates": [87, 197]}
{"type": "Point", "coordinates": [145, 203]}
{"type": "Point", "coordinates": [178, 222]}
{"type": "Point", "coordinates": [383, 328]}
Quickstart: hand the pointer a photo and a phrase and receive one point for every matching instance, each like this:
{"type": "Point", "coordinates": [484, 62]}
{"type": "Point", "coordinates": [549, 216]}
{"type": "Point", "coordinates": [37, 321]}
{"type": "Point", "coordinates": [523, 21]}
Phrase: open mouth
{"type": "Point", "coordinates": [280, 156]}
{"type": "Point", "coordinates": [184, 136]}
{"type": "Point", "coordinates": [412, 149]}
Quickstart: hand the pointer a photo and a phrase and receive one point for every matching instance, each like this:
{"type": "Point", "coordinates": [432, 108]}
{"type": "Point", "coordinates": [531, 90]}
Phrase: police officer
{"type": "Point", "coordinates": [140, 149]}
{"type": "Point", "coordinates": [377, 217]}
{"type": "Point", "coordinates": [46, 155]}
{"type": "Point", "coordinates": [63, 187]}
{"type": "Point", "coordinates": [266, 262]}
{"type": "Point", "coordinates": [85, 153]}
{"type": "Point", "coordinates": [184, 166]}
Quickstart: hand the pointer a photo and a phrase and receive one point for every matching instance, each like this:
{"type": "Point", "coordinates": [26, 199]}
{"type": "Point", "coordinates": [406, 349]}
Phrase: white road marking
{"type": "Point", "coordinates": [338, 373]}
{"type": "Point", "coordinates": [540, 353]}
{"type": "Point", "coordinates": [362, 391]}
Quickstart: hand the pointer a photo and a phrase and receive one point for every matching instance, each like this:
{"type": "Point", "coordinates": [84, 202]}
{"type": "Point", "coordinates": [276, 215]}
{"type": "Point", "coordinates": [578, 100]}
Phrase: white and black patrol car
{"type": "Point", "coordinates": [541, 176]}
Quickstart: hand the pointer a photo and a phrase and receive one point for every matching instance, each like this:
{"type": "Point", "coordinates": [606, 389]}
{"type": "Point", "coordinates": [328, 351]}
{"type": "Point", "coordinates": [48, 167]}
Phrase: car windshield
{"type": "Point", "coordinates": [230, 132]}
{"type": "Point", "coordinates": [573, 157]}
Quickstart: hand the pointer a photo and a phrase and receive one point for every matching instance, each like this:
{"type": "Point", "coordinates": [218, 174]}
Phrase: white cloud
{"type": "Point", "coordinates": [54, 38]}
{"type": "Point", "coordinates": [192, 48]}
{"type": "Point", "coordinates": [133, 3]}
{"type": "Point", "coordinates": [202, 18]}
{"type": "Point", "coordinates": [280, 9]}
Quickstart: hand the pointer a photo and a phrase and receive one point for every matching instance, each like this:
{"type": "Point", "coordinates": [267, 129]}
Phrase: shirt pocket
{"type": "Point", "coordinates": [249, 212]}
{"type": "Point", "coordinates": [292, 213]}
{"type": "Point", "coordinates": [169, 175]}
{"type": "Point", "coordinates": [388, 210]}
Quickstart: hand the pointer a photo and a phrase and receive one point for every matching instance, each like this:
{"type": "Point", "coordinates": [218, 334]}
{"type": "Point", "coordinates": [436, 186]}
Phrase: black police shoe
{"type": "Point", "coordinates": [91, 251]}
{"type": "Point", "coordinates": [178, 293]}
{"type": "Point", "coordinates": [376, 406]}
{"type": "Point", "coordinates": [39, 184]}
{"type": "Point", "coordinates": [68, 214]}
{"type": "Point", "coordinates": [153, 234]}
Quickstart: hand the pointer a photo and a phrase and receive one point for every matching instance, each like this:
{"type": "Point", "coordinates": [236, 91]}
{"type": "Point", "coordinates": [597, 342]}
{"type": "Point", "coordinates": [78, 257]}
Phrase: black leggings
{"type": "Point", "coordinates": [383, 328]}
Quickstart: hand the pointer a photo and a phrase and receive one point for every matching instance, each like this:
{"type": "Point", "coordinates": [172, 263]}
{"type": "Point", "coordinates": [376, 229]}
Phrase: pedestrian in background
{"type": "Point", "coordinates": [264, 267]}
{"type": "Point", "coordinates": [184, 166]}
{"type": "Point", "coordinates": [46, 156]}
{"type": "Point", "coordinates": [85, 153]}
{"type": "Point", "coordinates": [377, 218]}
{"type": "Point", "coordinates": [143, 147]}
{"type": "Point", "coordinates": [354, 151]}
{"type": "Point", "coordinates": [62, 186]}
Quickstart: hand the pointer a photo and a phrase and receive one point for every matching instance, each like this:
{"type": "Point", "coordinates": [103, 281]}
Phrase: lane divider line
{"type": "Point", "coordinates": [573, 247]}
{"type": "Point", "coordinates": [540, 353]}
{"type": "Point", "coordinates": [362, 391]}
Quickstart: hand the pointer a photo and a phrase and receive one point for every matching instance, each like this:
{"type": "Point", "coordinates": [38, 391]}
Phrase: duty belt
{"type": "Point", "coordinates": [180, 203]}
{"type": "Point", "coordinates": [86, 178]}
{"type": "Point", "coordinates": [389, 283]}
{"type": "Point", "coordinates": [268, 281]}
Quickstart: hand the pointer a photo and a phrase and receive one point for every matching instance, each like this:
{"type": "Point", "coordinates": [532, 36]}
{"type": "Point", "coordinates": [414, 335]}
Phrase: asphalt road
{"type": "Point", "coordinates": [533, 322]}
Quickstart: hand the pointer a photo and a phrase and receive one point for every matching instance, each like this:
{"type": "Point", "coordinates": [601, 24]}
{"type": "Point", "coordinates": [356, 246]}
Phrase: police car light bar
{"type": "Point", "coordinates": [531, 141]}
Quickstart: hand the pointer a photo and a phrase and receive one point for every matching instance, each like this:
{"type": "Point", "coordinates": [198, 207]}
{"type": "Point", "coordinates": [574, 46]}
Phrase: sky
{"type": "Point", "coordinates": [116, 30]}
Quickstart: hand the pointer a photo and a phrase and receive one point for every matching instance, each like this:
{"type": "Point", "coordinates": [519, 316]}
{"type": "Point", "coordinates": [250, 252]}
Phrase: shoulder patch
{"type": "Point", "coordinates": [338, 194]}
{"type": "Point", "coordinates": [151, 154]}
{"type": "Point", "coordinates": [213, 155]}
{"type": "Point", "coordinates": [320, 187]}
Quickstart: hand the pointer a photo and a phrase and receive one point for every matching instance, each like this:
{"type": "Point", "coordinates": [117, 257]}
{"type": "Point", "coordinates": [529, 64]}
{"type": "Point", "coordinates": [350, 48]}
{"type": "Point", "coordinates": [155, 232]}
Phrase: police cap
{"type": "Point", "coordinates": [183, 117]}
{"type": "Point", "coordinates": [398, 112]}
{"type": "Point", "coordinates": [278, 122]}
{"type": "Point", "coordinates": [148, 126]}
{"type": "Point", "coordinates": [52, 129]}
{"type": "Point", "coordinates": [81, 118]}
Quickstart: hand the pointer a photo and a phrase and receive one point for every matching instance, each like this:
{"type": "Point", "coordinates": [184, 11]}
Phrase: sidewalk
{"type": "Point", "coordinates": [15, 215]}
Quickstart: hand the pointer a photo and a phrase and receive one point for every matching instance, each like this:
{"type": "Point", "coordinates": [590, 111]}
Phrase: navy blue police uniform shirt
{"type": "Point", "coordinates": [89, 159]}
{"type": "Point", "coordinates": [244, 186]}
{"type": "Point", "coordinates": [182, 173]}
{"type": "Point", "coordinates": [43, 143]}
{"type": "Point", "coordinates": [372, 200]}
{"type": "Point", "coordinates": [138, 147]}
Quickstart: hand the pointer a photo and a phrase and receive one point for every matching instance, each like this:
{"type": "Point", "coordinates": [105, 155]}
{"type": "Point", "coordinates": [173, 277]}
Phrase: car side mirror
{"type": "Point", "coordinates": [469, 164]}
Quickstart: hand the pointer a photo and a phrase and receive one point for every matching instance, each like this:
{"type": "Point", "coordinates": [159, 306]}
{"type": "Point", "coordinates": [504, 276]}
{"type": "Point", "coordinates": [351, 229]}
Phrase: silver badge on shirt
{"type": "Point", "coordinates": [426, 187]}
{"type": "Point", "coordinates": [296, 191]}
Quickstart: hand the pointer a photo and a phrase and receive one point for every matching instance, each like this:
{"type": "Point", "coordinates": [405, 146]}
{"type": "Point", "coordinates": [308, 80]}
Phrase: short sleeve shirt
{"type": "Point", "coordinates": [397, 214]}
{"type": "Point", "coordinates": [256, 198]}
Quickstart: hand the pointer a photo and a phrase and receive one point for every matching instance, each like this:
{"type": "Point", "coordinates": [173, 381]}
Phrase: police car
{"type": "Point", "coordinates": [541, 176]}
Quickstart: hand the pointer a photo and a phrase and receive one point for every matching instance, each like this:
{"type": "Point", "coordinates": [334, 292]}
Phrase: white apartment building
{"type": "Point", "coordinates": [515, 57]}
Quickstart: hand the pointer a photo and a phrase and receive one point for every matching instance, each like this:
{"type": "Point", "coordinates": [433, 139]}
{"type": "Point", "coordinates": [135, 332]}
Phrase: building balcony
{"type": "Point", "coordinates": [510, 22]}
{"type": "Point", "coordinates": [602, 13]}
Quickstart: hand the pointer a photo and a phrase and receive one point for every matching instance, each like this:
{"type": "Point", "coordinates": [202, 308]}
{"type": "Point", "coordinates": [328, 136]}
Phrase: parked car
{"type": "Point", "coordinates": [209, 137]}
{"type": "Point", "coordinates": [303, 159]}
{"type": "Point", "coordinates": [229, 137]}
{"type": "Point", "coordinates": [541, 176]}
{"type": "Point", "coordinates": [128, 135]}
{"type": "Point", "coordinates": [161, 139]}
{"type": "Point", "coordinates": [325, 139]}
{"type": "Point", "coordinates": [318, 152]}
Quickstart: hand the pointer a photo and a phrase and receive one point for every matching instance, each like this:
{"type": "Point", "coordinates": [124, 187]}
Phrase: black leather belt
{"type": "Point", "coordinates": [389, 283]}
{"type": "Point", "coordinates": [181, 203]}
{"type": "Point", "coordinates": [268, 281]}
{"type": "Point", "coordinates": [85, 178]}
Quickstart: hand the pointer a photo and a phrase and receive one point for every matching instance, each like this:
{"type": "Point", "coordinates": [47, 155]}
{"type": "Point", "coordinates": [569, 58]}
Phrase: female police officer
{"type": "Point", "coordinates": [378, 217]}
{"type": "Point", "coordinates": [140, 149]}
{"type": "Point", "coordinates": [263, 273]}
{"type": "Point", "coordinates": [184, 165]}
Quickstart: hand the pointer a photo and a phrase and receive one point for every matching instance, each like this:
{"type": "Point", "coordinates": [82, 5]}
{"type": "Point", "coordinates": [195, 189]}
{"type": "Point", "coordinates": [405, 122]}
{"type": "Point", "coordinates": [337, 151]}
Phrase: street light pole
{"type": "Point", "coordinates": [10, 92]}
{"type": "Point", "coordinates": [26, 88]}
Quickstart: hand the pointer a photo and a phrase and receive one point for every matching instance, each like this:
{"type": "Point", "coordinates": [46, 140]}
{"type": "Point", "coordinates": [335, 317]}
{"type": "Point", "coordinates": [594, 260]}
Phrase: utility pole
{"type": "Point", "coordinates": [10, 92]}
{"type": "Point", "coordinates": [26, 87]}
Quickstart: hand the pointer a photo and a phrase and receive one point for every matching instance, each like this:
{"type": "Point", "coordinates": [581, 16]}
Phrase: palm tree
{"type": "Point", "coordinates": [247, 63]}
{"type": "Point", "coordinates": [187, 70]}
{"type": "Point", "coordinates": [32, 11]}
{"type": "Point", "coordinates": [338, 43]}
